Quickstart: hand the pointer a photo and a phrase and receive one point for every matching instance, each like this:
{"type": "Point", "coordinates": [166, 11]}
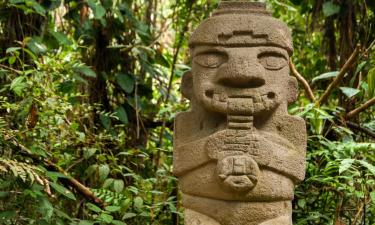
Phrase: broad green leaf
{"type": "Point", "coordinates": [84, 70]}
{"type": "Point", "coordinates": [105, 217]}
{"type": "Point", "coordinates": [91, 169]}
{"type": "Point", "coordinates": [125, 81]}
{"type": "Point", "coordinates": [106, 121]}
{"type": "Point", "coordinates": [371, 82]}
{"type": "Point", "coordinates": [118, 185]}
{"type": "Point", "coordinates": [99, 11]}
{"type": "Point", "coordinates": [85, 222]}
{"type": "Point", "coordinates": [112, 208]}
{"type": "Point", "coordinates": [345, 164]}
{"type": "Point", "coordinates": [38, 8]}
{"type": "Point", "coordinates": [128, 216]}
{"type": "Point", "coordinates": [36, 45]}
{"type": "Point", "coordinates": [62, 190]}
{"type": "Point", "coordinates": [32, 55]}
{"type": "Point", "coordinates": [12, 49]}
{"type": "Point", "coordinates": [108, 182]}
{"type": "Point", "coordinates": [118, 222]}
{"type": "Point", "coordinates": [121, 114]}
{"type": "Point", "coordinates": [349, 92]}
{"type": "Point", "coordinates": [138, 202]}
{"type": "Point", "coordinates": [93, 207]}
{"type": "Point", "coordinates": [325, 76]}
{"type": "Point", "coordinates": [330, 8]}
{"type": "Point", "coordinates": [12, 60]}
{"type": "Point", "coordinates": [97, 8]}
{"type": "Point", "coordinates": [103, 171]}
{"type": "Point", "coordinates": [61, 38]}
{"type": "Point", "coordinates": [88, 152]}
{"type": "Point", "coordinates": [368, 166]}
{"type": "Point", "coordinates": [372, 195]}
{"type": "Point", "coordinates": [55, 175]}
{"type": "Point", "coordinates": [360, 67]}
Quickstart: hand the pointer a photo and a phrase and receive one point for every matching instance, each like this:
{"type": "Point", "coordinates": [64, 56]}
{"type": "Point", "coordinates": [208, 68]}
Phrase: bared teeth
{"type": "Point", "coordinates": [243, 105]}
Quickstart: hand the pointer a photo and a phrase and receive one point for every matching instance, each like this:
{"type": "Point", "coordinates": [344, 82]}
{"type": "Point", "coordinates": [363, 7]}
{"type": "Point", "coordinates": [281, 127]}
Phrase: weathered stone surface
{"type": "Point", "coordinates": [237, 152]}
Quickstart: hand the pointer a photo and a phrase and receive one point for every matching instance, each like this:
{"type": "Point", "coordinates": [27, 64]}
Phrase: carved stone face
{"type": "Point", "coordinates": [256, 78]}
{"type": "Point", "coordinates": [237, 151]}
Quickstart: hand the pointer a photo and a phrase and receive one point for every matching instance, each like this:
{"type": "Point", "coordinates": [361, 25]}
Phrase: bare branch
{"type": "Point", "coordinates": [359, 128]}
{"type": "Point", "coordinates": [361, 108]}
{"type": "Point", "coordinates": [302, 80]}
{"type": "Point", "coordinates": [348, 64]}
{"type": "Point", "coordinates": [85, 191]}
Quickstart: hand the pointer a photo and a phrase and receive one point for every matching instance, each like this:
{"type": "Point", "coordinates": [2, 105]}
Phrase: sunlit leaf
{"type": "Point", "coordinates": [121, 114]}
{"type": "Point", "coordinates": [18, 85]}
{"type": "Point", "coordinates": [61, 38]}
{"type": "Point", "coordinates": [118, 185]}
{"type": "Point", "coordinates": [12, 49]}
{"type": "Point", "coordinates": [85, 70]}
{"type": "Point", "coordinates": [330, 8]}
{"type": "Point", "coordinates": [85, 222]}
{"type": "Point", "coordinates": [105, 217]}
{"type": "Point", "coordinates": [117, 222]}
{"type": "Point", "coordinates": [93, 207]}
{"type": "Point", "coordinates": [12, 60]}
{"type": "Point", "coordinates": [325, 76]}
{"type": "Point", "coordinates": [138, 202]}
{"type": "Point", "coordinates": [128, 216]}
{"type": "Point", "coordinates": [349, 92]}
{"type": "Point", "coordinates": [345, 164]}
{"type": "Point", "coordinates": [112, 208]}
{"type": "Point", "coordinates": [103, 171]}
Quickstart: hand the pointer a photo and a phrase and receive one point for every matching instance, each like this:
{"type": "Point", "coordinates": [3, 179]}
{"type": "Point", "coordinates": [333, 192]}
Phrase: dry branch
{"type": "Point", "coordinates": [348, 64]}
{"type": "Point", "coordinates": [74, 183]}
{"type": "Point", "coordinates": [302, 80]}
{"type": "Point", "coordinates": [361, 108]}
{"type": "Point", "coordinates": [357, 127]}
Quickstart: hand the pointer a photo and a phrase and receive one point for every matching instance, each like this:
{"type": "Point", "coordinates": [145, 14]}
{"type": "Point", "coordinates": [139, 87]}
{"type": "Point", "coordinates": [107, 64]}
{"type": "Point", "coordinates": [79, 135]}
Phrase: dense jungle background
{"type": "Point", "coordinates": [89, 90]}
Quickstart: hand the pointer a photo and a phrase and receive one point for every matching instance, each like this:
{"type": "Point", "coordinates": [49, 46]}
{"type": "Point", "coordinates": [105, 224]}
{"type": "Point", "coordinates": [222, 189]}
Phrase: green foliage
{"type": "Point", "coordinates": [89, 90]}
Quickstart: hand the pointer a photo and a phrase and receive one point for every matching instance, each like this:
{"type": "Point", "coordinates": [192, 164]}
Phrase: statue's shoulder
{"type": "Point", "coordinates": [293, 128]}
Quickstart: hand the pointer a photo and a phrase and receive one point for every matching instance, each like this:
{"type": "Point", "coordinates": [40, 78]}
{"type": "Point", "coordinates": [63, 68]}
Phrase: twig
{"type": "Point", "coordinates": [361, 108]}
{"type": "Point", "coordinates": [85, 191]}
{"type": "Point", "coordinates": [302, 80]}
{"type": "Point", "coordinates": [348, 64]}
{"type": "Point", "coordinates": [360, 129]}
{"type": "Point", "coordinates": [10, 68]}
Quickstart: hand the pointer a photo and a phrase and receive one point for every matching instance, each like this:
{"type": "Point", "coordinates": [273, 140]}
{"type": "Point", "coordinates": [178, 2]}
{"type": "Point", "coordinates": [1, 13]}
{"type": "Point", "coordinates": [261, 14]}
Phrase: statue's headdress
{"type": "Point", "coordinates": [241, 23]}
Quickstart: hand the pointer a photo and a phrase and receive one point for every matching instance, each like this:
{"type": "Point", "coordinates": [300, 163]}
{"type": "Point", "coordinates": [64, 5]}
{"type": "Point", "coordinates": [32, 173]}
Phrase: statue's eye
{"type": "Point", "coordinates": [273, 60]}
{"type": "Point", "coordinates": [211, 59]}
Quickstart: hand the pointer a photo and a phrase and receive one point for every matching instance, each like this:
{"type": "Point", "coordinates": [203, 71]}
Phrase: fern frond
{"type": "Point", "coordinates": [109, 197]}
{"type": "Point", "coordinates": [25, 172]}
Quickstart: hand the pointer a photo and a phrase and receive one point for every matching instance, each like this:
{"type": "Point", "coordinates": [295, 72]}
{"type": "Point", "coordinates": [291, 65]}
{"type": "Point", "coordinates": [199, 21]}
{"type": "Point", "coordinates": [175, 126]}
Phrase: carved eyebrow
{"type": "Point", "coordinates": [216, 49]}
{"type": "Point", "coordinates": [278, 51]}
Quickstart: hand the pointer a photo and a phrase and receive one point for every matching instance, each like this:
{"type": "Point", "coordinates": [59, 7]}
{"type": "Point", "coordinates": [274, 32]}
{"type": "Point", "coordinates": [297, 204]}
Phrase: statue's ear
{"type": "Point", "coordinates": [187, 85]}
{"type": "Point", "coordinates": [292, 91]}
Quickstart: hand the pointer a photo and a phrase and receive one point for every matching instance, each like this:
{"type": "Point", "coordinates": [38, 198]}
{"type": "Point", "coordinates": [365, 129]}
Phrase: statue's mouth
{"type": "Point", "coordinates": [244, 103]}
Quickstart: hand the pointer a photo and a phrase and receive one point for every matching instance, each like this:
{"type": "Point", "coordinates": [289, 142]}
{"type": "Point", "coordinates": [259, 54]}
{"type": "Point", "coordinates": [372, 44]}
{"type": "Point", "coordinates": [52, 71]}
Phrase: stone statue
{"type": "Point", "coordinates": [237, 152]}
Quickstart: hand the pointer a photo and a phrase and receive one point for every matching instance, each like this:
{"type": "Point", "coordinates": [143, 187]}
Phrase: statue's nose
{"type": "Point", "coordinates": [241, 74]}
